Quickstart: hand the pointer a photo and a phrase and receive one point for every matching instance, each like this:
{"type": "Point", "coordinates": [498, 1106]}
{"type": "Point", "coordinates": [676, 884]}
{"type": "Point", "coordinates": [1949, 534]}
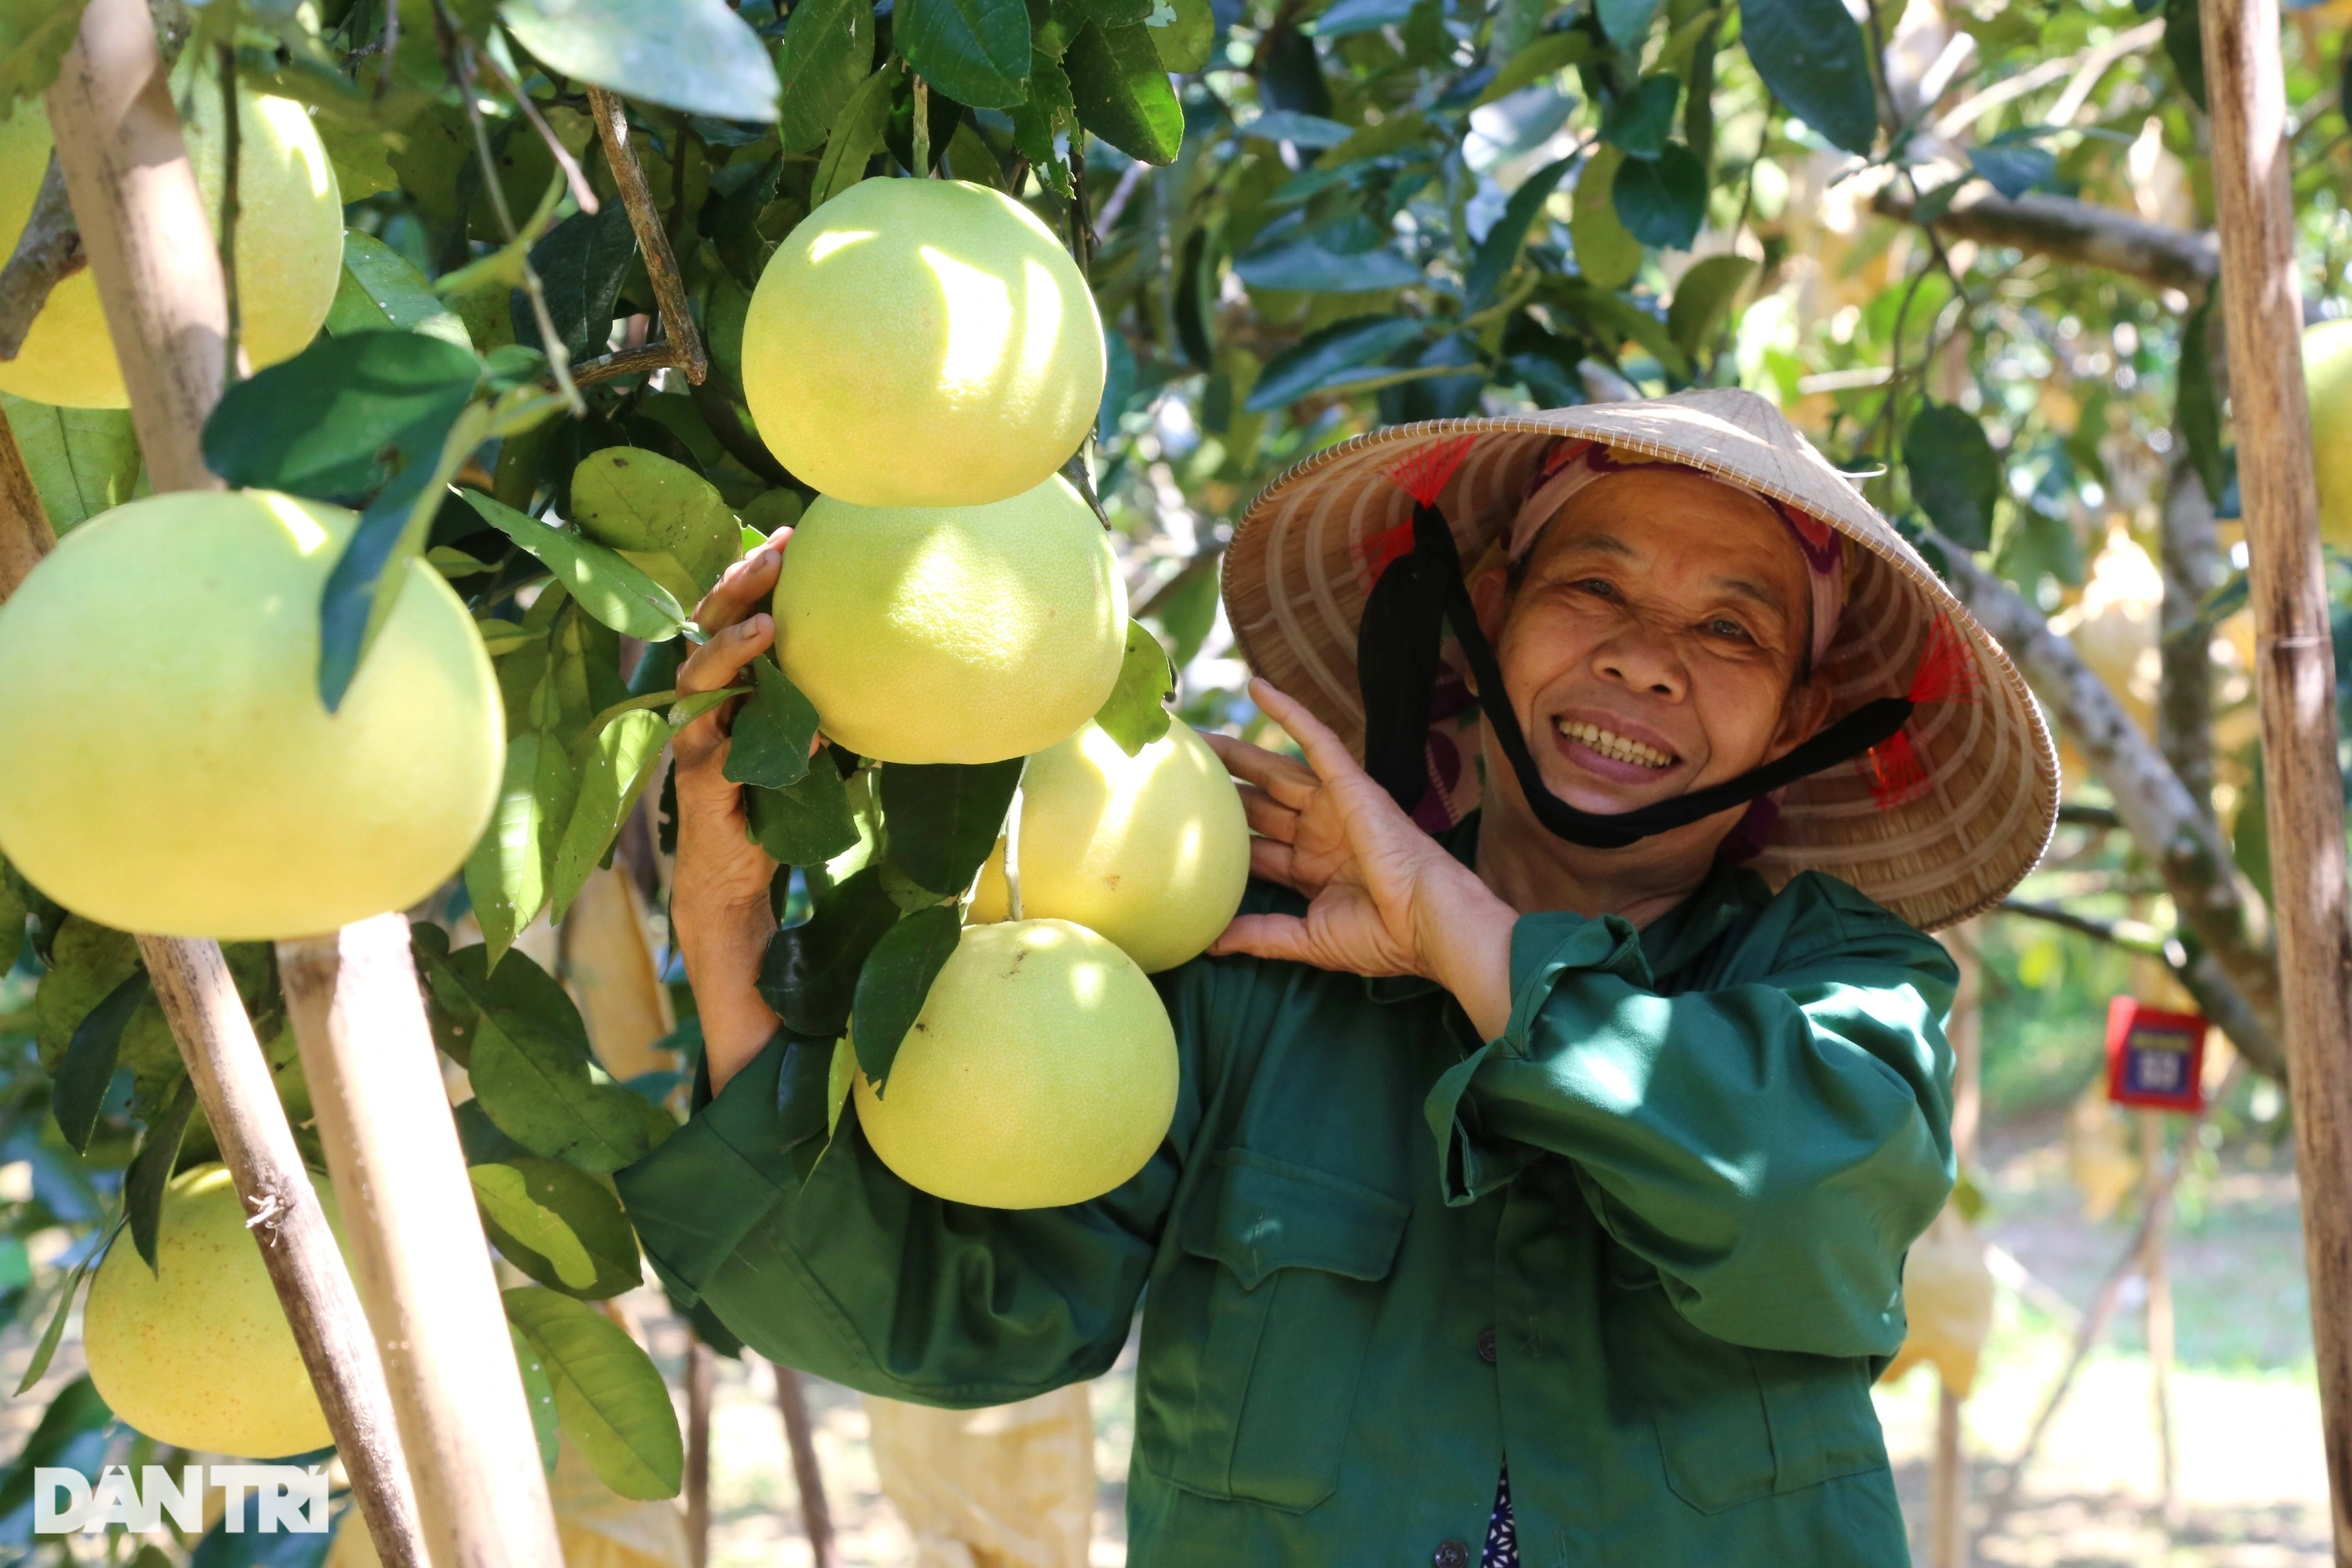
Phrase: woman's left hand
{"type": "Point", "coordinates": [1384, 897]}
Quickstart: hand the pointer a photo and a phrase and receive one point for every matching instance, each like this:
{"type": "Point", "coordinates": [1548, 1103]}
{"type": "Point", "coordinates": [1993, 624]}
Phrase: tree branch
{"type": "Point", "coordinates": [47, 253]}
{"type": "Point", "coordinates": [2070, 230]}
{"type": "Point", "coordinates": [2171, 825]}
{"type": "Point", "coordinates": [685, 340]}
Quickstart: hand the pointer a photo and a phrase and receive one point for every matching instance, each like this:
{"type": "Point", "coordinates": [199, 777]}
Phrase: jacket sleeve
{"type": "Point", "coordinates": [1771, 1148]}
{"type": "Point", "coordinates": [856, 1277]}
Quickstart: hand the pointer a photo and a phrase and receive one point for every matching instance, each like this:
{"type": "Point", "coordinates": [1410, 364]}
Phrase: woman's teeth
{"type": "Point", "coordinates": [1614, 746]}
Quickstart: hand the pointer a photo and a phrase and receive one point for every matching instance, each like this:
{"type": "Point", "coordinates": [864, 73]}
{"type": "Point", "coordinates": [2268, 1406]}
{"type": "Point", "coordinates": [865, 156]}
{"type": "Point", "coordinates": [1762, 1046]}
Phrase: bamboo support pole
{"type": "Point", "coordinates": [417, 1246]}
{"type": "Point", "coordinates": [2294, 671]}
{"type": "Point", "coordinates": [128, 170]}
{"type": "Point", "coordinates": [456, 1394]}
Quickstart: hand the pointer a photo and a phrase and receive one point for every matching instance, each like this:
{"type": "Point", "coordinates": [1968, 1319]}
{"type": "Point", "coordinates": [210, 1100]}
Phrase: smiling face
{"type": "Point", "coordinates": [1651, 646]}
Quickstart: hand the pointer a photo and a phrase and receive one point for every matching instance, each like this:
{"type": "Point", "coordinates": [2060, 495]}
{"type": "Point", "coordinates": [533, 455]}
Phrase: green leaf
{"type": "Point", "coordinates": [805, 824]}
{"type": "Point", "coordinates": [530, 1228]}
{"type": "Point", "coordinates": [1627, 22]}
{"type": "Point", "coordinates": [893, 983]}
{"type": "Point", "coordinates": [1662, 201]}
{"type": "Point", "coordinates": [687, 709]}
{"type": "Point", "coordinates": [1500, 248]}
{"type": "Point", "coordinates": [77, 1410]}
{"type": "Point", "coordinates": [581, 265]}
{"type": "Point", "coordinates": [88, 1068]}
{"type": "Point", "coordinates": [975, 51]}
{"type": "Point", "coordinates": [1120, 90]}
{"type": "Point", "coordinates": [538, 1091]}
{"type": "Point", "coordinates": [828, 50]}
{"type": "Point", "coordinates": [33, 38]}
{"type": "Point", "coordinates": [633, 500]}
{"type": "Point", "coordinates": [83, 461]}
{"type": "Point", "coordinates": [604, 584]}
{"type": "Point", "coordinates": [1607, 257]}
{"type": "Point", "coordinates": [2013, 171]}
{"type": "Point", "coordinates": [1136, 713]}
{"type": "Point", "coordinates": [48, 1348]}
{"type": "Point", "coordinates": [461, 986]}
{"type": "Point", "coordinates": [1547, 56]}
{"type": "Point", "coordinates": [1330, 358]}
{"type": "Point", "coordinates": [1954, 474]}
{"type": "Point", "coordinates": [943, 818]}
{"type": "Point", "coordinates": [506, 875]}
{"type": "Point", "coordinates": [1811, 53]}
{"type": "Point", "coordinates": [1702, 300]}
{"type": "Point", "coordinates": [344, 417]}
{"type": "Point", "coordinates": [697, 56]}
{"type": "Point", "coordinates": [1638, 122]}
{"type": "Point", "coordinates": [840, 1077]}
{"type": "Point", "coordinates": [150, 1168]}
{"type": "Point", "coordinates": [379, 291]}
{"type": "Point", "coordinates": [611, 1399]}
{"type": "Point", "coordinates": [809, 974]}
{"type": "Point", "coordinates": [2184, 45]}
{"type": "Point", "coordinates": [2197, 411]}
{"type": "Point", "coordinates": [539, 1394]}
{"type": "Point", "coordinates": [768, 741]}
{"type": "Point", "coordinates": [1183, 31]}
{"type": "Point", "coordinates": [1043, 119]}
{"type": "Point", "coordinates": [856, 137]}
{"type": "Point", "coordinates": [619, 764]}
{"type": "Point", "coordinates": [1286, 257]}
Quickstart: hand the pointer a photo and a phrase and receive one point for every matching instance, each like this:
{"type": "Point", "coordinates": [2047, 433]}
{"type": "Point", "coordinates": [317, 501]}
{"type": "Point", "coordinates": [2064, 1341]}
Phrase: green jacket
{"type": "Point", "coordinates": [1648, 1244]}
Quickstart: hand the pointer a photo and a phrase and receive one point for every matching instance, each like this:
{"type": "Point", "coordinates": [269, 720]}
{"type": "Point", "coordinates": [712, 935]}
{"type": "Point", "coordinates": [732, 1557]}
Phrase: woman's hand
{"type": "Point", "coordinates": [1383, 897]}
{"type": "Point", "coordinates": [718, 894]}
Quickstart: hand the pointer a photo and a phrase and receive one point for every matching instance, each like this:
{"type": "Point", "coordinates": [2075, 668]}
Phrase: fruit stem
{"type": "Point", "coordinates": [1013, 851]}
{"type": "Point", "coordinates": [232, 141]}
{"type": "Point", "coordinates": [922, 128]}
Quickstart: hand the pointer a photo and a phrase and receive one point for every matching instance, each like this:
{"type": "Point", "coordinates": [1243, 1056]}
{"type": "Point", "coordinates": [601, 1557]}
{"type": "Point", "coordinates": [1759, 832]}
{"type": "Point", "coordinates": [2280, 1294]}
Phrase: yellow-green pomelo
{"type": "Point", "coordinates": [198, 1353]}
{"type": "Point", "coordinates": [290, 242]}
{"type": "Point", "coordinates": [2327, 384]}
{"type": "Point", "coordinates": [169, 766]}
{"type": "Point", "coordinates": [922, 343]}
{"type": "Point", "coordinates": [965, 634]}
{"type": "Point", "coordinates": [1042, 1070]}
{"type": "Point", "coordinates": [1151, 850]}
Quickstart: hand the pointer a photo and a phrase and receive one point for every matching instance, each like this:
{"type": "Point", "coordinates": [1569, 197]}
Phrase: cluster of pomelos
{"type": "Point", "coordinates": [927, 356]}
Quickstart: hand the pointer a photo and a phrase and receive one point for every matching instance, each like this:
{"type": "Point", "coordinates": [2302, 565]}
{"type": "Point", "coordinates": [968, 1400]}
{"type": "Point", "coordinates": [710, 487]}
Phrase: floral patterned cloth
{"type": "Point", "coordinates": [1501, 1535]}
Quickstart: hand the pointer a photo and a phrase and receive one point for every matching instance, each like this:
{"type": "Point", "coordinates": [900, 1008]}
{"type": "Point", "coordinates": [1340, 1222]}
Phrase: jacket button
{"type": "Point", "coordinates": [1450, 1554]}
{"type": "Point", "coordinates": [1487, 1346]}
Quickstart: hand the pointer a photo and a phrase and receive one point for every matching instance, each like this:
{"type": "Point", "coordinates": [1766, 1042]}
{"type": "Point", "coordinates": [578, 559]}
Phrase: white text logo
{"type": "Point", "coordinates": [285, 1497]}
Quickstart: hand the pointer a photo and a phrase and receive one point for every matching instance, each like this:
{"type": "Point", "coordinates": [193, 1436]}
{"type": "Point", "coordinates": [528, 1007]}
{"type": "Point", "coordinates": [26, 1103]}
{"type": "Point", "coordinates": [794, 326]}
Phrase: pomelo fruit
{"type": "Point", "coordinates": [2327, 384]}
{"type": "Point", "coordinates": [289, 241]}
{"type": "Point", "coordinates": [199, 1352]}
{"type": "Point", "coordinates": [169, 766]}
{"type": "Point", "coordinates": [922, 343]}
{"type": "Point", "coordinates": [1041, 1070]}
{"type": "Point", "coordinates": [1150, 851]}
{"type": "Point", "coordinates": [965, 634]}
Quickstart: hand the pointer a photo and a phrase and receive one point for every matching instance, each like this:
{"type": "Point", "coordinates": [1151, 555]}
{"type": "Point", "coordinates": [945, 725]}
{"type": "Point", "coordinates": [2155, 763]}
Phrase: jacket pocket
{"type": "Point", "coordinates": [1734, 1423]}
{"type": "Point", "coordinates": [1299, 1257]}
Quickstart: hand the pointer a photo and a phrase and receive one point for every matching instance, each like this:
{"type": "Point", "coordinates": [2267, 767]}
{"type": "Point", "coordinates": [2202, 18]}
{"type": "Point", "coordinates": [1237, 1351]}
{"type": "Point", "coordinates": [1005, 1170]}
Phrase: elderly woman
{"type": "Point", "coordinates": [1541, 1174]}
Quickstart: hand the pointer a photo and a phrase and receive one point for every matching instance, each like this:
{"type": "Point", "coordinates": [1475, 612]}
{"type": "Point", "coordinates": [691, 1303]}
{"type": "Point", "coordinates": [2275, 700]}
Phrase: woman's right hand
{"type": "Point", "coordinates": [720, 915]}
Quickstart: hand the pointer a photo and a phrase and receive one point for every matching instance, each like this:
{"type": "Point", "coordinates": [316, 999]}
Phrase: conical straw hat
{"type": "Point", "coordinates": [1310, 546]}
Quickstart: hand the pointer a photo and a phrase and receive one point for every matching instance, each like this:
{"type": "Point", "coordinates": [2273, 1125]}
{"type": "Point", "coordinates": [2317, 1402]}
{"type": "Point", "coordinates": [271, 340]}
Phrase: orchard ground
{"type": "Point", "coordinates": [2246, 1410]}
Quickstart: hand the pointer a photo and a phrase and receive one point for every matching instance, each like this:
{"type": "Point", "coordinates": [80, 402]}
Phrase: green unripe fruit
{"type": "Point", "coordinates": [1151, 850]}
{"type": "Point", "coordinates": [965, 634]}
{"type": "Point", "coordinates": [290, 242]}
{"type": "Point", "coordinates": [1041, 1071]}
{"type": "Point", "coordinates": [2327, 384]}
{"type": "Point", "coordinates": [198, 1353]}
{"type": "Point", "coordinates": [171, 768]}
{"type": "Point", "coordinates": [922, 343]}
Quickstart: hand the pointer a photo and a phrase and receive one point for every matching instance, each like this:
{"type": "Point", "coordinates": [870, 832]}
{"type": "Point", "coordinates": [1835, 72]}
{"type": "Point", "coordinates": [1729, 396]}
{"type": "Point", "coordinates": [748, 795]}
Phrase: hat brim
{"type": "Point", "coordinates": [1308, 550]}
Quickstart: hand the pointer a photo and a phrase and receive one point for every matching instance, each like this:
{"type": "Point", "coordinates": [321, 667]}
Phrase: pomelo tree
{"type": "Point", "coordinates": [1962, 243]}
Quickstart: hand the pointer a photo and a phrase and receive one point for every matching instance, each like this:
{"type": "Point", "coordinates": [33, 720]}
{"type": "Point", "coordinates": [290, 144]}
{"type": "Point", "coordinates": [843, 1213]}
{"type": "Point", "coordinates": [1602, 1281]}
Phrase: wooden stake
{"type": "Point", "coordinates": [417, 1246]}
{"type": "Point", "coordinates": [1947, 1491]}
{"type": "Point", "coordinates": [2294, 672]}
{"type": "Point", "coordinates": [457, 1393]}
{"type": "Point", "coordinates": [129, 167]}
{"type": "Point", "coordinates": [2158, 1310]}
{"type": "Point", "coordinates": [699, 1378]}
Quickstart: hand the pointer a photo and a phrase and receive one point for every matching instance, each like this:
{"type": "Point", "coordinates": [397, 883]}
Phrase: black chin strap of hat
{"type": "Point", "coordinates": [1397, 662]}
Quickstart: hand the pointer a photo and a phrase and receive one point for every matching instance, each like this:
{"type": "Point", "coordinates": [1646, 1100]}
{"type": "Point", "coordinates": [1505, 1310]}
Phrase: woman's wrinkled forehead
{"type": "Point", "coordinates": [1575, 466]}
